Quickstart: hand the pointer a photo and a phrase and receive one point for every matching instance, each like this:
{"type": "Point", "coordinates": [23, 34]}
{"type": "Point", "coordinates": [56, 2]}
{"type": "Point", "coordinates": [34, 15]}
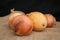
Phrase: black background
{"type": "Point", "coordinates": [44, 6]}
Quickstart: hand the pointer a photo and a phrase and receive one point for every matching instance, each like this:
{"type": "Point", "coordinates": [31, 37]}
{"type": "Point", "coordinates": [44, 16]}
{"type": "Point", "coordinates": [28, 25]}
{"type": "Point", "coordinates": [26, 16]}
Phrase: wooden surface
{"type": "Point", "coordinates": [47, 34]}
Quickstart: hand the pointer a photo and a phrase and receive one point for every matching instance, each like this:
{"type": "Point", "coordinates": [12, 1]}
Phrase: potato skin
{"type": "Point", "coordinates": [39, 20]}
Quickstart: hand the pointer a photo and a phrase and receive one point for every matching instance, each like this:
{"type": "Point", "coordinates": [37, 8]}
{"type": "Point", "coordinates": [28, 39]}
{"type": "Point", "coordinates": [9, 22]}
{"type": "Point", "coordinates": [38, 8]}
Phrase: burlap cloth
{"type": "Point", "coordinates": [47, 34]}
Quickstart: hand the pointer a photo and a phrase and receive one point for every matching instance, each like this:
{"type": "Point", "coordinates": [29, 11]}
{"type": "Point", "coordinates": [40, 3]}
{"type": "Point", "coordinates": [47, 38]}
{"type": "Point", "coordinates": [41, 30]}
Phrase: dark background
{"type": "Point", "coordinates": [44, 6]}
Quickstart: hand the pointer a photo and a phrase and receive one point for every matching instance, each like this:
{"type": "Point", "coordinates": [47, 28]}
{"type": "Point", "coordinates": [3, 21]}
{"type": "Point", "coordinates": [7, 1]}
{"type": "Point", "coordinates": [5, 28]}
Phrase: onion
{"type": "Point", "coordinates": [13, 14]}
{"type": "Point", "coordinates": [20, 23]}
{"type": "Point", "coordinates": [51, 20]}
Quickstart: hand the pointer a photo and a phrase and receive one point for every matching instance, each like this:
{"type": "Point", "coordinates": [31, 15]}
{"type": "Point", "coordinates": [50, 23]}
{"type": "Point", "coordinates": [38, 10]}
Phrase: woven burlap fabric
{"type": "Point", "coordinates": [48, 34]}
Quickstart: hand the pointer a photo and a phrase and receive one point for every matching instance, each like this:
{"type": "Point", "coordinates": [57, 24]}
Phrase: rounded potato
{"type": "Point", "coordinates": [39, 20]}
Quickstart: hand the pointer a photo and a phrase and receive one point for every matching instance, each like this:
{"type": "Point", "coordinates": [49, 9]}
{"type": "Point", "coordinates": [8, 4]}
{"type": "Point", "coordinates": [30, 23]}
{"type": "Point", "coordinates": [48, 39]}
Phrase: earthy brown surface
{"type": "Point", "coordinates": [47, 34]}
